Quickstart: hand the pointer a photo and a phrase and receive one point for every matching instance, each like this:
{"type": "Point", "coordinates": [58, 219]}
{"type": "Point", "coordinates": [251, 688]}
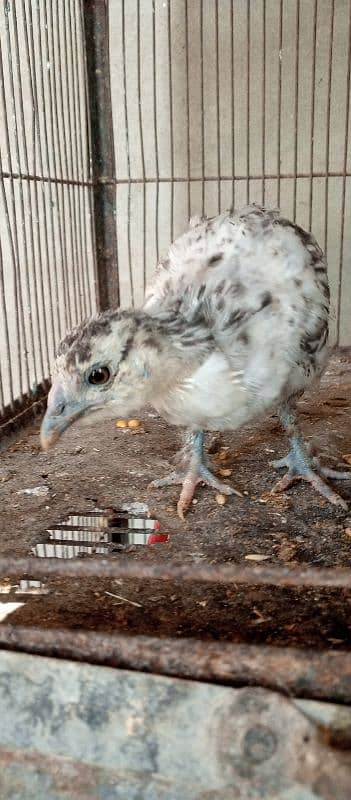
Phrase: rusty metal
{"type": "Point", "coordinates": [96, 25]}
{"type": "Point", "coordinates": [336, 578]}
{"type": "Point", "coordinates": [24, 410]}
{"type": "Point", "coordinates": [292, 671]}
{"type": "Point", "coordinates": [86, 732]}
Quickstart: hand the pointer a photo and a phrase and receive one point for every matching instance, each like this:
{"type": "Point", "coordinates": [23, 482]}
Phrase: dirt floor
{"type": "Point", "coordinates": [103, 466]}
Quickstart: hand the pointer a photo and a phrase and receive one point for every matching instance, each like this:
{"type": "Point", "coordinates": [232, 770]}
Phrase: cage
{"type": "Point", "coordinates": [119, 121]}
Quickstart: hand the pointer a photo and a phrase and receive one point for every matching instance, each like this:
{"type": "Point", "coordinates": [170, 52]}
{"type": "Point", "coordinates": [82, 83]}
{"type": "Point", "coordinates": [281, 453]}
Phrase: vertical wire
{"type": "Point", "coordinates": [141, 140]}
{"type": "Point", "coordinates": [327, 142]}
{"type": "Point", "coordinates": [157, 174]}
{"type": "Point", "coordinates": [8, 349]}
{"type": "Point", "coordinates": [187, 107]}
{"type": "Point", "coordinates": [12, 232]}
{"type": "Point", "coordinates": [32, 297]}
{"type": "Point", "coordinates": [279, 116]}
{"type": "Point", "coordinates": [54, 303]}
{"type": "Point", "coordinates": [313, 108]}
{"type": "Point", "coordinates": [296, 104]}
{"type": "Point", "coordinates": [51, 190]}
{"type": "Point", "coordinates": [263, 89]}
{"type": "Point", "coordinates": [344, 172]}
{"type": "Point", "coordinates": [232, 99]}
{"type": "Point", "coordinates": [21, 283]}
{"type": "Point", "coordinates": [71, 130]}
{"type": "Point", "coordinates": [202, 108]}
{"type": "Point", "coordinates": [29, 46]}
{"type": "Point", "coordinates": [129, 243]}
{"type": "Point", "coordinates": [94, 299]}
{"type": "Point", "coordinates": [218, 119]}
{"type": "Point", "coordinates": [53, 295]}
{"type": "Point", "coordinates": [77, 145]}
{"type": "Point", "coordinates": [248, 42]}
{"type": "Point", "coordinates": [59, 58]}
{"type": "Point", "coordinates": [171, 137]}
{"type": "Point", "coordinates": [14, 272]}
{"type": "Point", "coordinates": [82, 159]}
{"type": "Point", "coordinates": [37, 258]}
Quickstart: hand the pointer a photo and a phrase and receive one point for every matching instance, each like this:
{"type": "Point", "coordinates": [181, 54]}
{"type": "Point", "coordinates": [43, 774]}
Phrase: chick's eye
{"type": "Point", "coordinates": [99, 376]}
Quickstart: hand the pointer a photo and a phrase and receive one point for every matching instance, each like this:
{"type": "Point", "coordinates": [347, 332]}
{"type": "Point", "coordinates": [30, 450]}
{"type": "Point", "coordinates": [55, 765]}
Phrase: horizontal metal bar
{"type": "Point", "coordinates": [300, 673]}
{"type": "Point", "coordinates": [44, 179]}
{"type": "Point", "coordinates": [216, 178]}
{"type": "Point", "coordinates": [263, 575]}
{"type": "Point", "coordinates": [175, 179]}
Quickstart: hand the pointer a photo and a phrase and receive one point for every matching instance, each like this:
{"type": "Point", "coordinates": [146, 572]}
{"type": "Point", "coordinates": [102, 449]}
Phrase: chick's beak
{"type": "Point", "coordinates": [60, 413]}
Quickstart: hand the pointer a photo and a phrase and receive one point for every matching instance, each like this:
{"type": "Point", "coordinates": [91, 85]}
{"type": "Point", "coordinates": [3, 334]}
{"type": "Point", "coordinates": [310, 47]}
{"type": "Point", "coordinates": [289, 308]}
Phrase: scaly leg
{"type": "Point", "coordinates": [197, 471]}
{"type": "Point", "coordinates": [301, 466]}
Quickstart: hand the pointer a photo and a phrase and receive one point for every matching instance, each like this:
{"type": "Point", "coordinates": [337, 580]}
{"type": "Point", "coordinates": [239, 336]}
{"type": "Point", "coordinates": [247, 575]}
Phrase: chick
{"type": "Point", "coordinates": [234, 326]}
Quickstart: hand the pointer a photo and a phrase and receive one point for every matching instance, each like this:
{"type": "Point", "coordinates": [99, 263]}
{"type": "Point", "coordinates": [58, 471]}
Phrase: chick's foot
{"type": "Point", "coordinates": [301, 467]}
{"type": "Point", "coordinates": [189, 481]}
{"type": "Point", "coordinates": [196, 471]}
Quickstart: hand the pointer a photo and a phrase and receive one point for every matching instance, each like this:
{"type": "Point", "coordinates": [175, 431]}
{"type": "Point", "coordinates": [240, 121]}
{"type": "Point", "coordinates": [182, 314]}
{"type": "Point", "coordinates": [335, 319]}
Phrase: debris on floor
{"type": "Point", "coordinates": [36, 491]}
{"type": "Point", "coordinates": [8, 608]}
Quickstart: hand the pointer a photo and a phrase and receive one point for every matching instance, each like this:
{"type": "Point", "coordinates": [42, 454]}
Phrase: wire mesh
{"type": "Point", "coordinates": [221, 103]}
{"type": "Point", "coordinates": [214, 104]}
{"type": "Point", "coordinates": [47, 267]}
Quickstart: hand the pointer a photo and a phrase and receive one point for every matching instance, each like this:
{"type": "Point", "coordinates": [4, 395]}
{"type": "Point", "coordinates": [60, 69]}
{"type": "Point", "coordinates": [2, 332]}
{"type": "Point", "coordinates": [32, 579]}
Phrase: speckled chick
{"type": "Point", "coordinates": [235, 324]}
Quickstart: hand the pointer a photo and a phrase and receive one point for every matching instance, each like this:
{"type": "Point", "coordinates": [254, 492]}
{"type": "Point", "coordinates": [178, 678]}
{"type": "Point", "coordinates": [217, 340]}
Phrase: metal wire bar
{"type": "Point", "coordinates": [327, 122]}
{"type": "Point", "coordinates": [45, 189]}
{"type": "Point", "coordinates": [71, 165]}
{"type": "Point", "coordinates": [202, 108]}
{"type": "Point", "coordinates": [106, 182]}
{"type": "Point", "coordinates": [171, 135]}
{"type": "Point", "coordinates": [101, 161]}
{"type": "Point", "coordinates": [248, 99]}
{"type": "Point", "coordinates": [83, 165]}
{"type": "Point", "coordinates": [296, 103]}
{"type": "Point", "coordinates": [50, 303]}
{"type": "Point", "coordinates": [218, 115]}
{"type": "Point", "coordinates": [13, 246]}
{"type": "Point", "coordinates": [77, 147]}
{"type": "Point", "coordinates": [188, 152]}
{"type": "Point", "coordinates": [141, 140]}
{"type": "Point", "coordinates": [51, 277]}
{"type": "Point", "coordinates": [313, 108]}
{"type": "Point", "coordinates": [157, 172]}
{"type": "Point", "coordinates": [16, 345]}
{"type": "Point", "coordinates": [292, 671]}
{"type": "Point", "coordinates": [170, 571]}
{"type": "Point", "coordinates": [60, 58]}
{"type": "Point", "coordinates": [345, 155]}
{"type": "Point", "coordinates": [279, 114]}
{"type": "Point", "coordinates": [6, 340]}
{"type": "Point", "coordinates": [94, 293]}
{"type": "Point", "coordinates": [28, 241]}
{"type": "Point", "coordinates": [126, 124]}
{"type": "Point", "coordinates": [232, 105]}
{"type": "Point", "coordinates": [51, 268]}
{"type": "Point", "coordinates": [263, 91]}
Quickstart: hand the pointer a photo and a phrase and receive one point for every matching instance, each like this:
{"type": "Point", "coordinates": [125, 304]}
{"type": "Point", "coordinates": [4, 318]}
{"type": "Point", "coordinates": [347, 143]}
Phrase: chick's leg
{"type": "Point", "coordinates": [196, 471]}
{"type": "Point", "coordinates": [302, 466]}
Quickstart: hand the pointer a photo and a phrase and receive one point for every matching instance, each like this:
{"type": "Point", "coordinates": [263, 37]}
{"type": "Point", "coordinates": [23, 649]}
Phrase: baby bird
{"type": "Point", "coordinates": [235, 325]}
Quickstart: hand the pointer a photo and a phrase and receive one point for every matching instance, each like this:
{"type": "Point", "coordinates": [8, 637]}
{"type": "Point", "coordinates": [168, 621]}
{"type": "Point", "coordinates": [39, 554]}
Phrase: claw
{"type": "Point", "coordinates": [299, 469]}
{"type": "Point", "coordinates": [189, 481]}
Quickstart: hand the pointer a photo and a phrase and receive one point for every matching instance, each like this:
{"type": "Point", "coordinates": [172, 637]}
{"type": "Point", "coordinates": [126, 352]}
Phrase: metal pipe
{"type": "Point", "coordinates": [103, 159]}
{"type": "Point", "coordinates": [263, 575]}
{"type": "Point", "coordinates": [298, 673]}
